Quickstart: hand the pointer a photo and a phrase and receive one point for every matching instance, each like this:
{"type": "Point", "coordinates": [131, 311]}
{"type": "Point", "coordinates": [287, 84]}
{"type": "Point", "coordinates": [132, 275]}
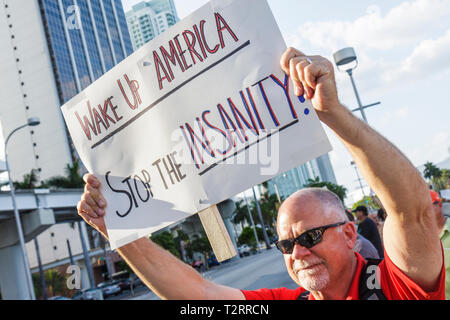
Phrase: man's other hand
{"type": "Point", "coordinates": [92, 205]}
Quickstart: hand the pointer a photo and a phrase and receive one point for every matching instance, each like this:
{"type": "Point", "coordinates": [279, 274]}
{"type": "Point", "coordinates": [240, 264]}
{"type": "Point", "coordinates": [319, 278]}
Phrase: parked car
{"type": "Point", "coordinates": [212, 261]}
{"type": "Point", "coordinates": [59, 298]}
{"type": "Point", "coordinates": [88, 294]}
{"type": "Point", "coordinates": [244, 250]}
{"type": "Point", "coordinates": [109, 288]}
{"type": "Point", "coordinates": [136, 281]}
{"type": "Point", "coordinates": [79, 295]}
{"type": "Point", "coordinates": [124, 284]}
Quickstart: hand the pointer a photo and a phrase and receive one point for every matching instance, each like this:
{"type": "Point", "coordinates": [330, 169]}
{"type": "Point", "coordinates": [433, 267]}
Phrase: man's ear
{"type": "Point", "coordinates": [350, 234]}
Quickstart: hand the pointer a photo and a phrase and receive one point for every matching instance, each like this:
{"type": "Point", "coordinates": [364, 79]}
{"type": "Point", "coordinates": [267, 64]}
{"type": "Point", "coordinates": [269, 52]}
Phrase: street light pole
{"type": "Point", "coordinates": [258, 209]}
{"type": "Point", "coordinates": [31, 295]}
{"type": "Point", "coordinates": [359, 179]}
{"type": "Point", "coordinates": [361, 107]}
{"type": "Point", "coordinates": [347, 61]}
{"type": "Point", "coordinates": [251, 220]}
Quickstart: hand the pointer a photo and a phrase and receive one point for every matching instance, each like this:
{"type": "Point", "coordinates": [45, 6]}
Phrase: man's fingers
{"type": "Point", "coordinates": [89, 201]}
{"type": "Point", "coordinates": [96, 196]}
{"type": "Point", "coordinates": [92, 180]}
{"type": "Point", "coordinates": [289, 54]}
{"type": "Point", "coordinates": [296, 77]}
{"type": "Point", "coordinates": [300, 63]}
{"type": "Point", "coordinates": [85, 210]}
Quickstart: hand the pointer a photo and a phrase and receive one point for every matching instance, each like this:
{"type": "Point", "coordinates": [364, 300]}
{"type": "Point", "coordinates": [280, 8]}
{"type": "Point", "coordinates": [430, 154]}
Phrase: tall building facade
{"type": "Point", "coordinates": [295, 179]}
{"type": "Point", "coordinates": [52, 50]}
{"type": "Point", "coordinates": [146, 20]}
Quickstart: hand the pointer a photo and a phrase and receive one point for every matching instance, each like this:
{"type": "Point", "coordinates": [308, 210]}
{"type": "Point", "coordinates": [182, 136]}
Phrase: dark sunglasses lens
{"type": "Point", "coordinates": [310, 239]}
{"type": "Point", "coordinates": [285, 246]}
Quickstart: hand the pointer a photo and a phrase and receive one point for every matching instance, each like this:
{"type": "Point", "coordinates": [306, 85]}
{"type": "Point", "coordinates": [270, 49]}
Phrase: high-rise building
{"type": "Point", "coordinates": [295, 179]}
{"type": "Point", "coordinates": [146, 20]}
{"type": "Point", "coordinates": [50, 51]}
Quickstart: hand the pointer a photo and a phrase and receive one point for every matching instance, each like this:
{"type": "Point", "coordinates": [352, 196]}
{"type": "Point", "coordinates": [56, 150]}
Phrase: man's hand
{"type": "Point", "coordinates": [92, 205]}
{"type": "Point", "coordinates": [314, 78]}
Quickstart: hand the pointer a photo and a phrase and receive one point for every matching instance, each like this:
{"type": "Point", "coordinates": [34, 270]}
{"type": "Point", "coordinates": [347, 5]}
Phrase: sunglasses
{"type": "Point", "coordinates": [307, 239]}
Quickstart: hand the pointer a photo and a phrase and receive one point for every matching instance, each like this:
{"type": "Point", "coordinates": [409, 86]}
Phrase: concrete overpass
{"type": "Point", "coordinates": [39, 209]}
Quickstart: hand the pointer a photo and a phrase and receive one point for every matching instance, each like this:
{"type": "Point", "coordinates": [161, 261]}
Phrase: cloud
{"type": "Point", "coordinates": [402, 25]}
{"type": "Point", "coordinates": [406, 35]}
{"type": "Point", "coordinates": [429, 57]}
{"type": "Point", "coordinates": [436, 149]}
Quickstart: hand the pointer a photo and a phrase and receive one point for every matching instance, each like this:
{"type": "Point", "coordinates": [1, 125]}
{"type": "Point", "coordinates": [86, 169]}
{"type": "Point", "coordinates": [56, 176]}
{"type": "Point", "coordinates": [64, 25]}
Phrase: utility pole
{"type": "Point", "coordinates": [258, 209]}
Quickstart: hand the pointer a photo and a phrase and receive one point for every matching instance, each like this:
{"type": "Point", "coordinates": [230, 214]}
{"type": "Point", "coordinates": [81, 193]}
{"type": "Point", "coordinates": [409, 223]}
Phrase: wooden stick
{"type": "Point", "coordinates": [217, 233]}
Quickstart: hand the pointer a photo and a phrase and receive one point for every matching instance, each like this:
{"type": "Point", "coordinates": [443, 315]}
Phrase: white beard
{"type": "Point", "coordinates": [313, 279]}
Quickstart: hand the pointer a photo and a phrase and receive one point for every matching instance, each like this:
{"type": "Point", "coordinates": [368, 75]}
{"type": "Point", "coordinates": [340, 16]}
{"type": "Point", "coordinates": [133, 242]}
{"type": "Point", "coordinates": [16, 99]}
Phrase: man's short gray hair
{"type": "Point", "coordinates": [331, 203]}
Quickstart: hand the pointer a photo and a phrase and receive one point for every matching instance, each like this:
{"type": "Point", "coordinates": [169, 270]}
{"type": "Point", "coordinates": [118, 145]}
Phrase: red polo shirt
{"type": "Point", "coordinates": [394, 283]}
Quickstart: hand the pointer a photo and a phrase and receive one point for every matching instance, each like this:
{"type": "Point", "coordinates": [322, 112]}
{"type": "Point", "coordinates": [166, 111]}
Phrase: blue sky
{"type": "Point", "coordinates": [403, 49]}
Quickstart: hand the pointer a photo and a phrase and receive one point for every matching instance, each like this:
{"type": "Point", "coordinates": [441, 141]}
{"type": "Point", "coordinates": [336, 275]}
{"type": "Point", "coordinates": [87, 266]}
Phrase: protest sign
{"type": "Point", "coordinates": [197, 115]}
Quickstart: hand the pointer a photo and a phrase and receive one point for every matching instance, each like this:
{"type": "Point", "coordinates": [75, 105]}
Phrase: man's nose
{"type": "Point", "coordinates": [299, 252]}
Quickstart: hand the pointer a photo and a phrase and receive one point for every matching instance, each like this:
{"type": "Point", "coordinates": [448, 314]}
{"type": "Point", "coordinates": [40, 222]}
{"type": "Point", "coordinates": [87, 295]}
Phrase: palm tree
{"type": "Point", "coordinates": [71, 180]}
{"type": "Point", "coordinates": [240, 213]}
{"type": "Point", "coordinates": [339, 190]}
{"type": "Point", "coordinates": [433, 173]}
{"type": "Point", "coordinates": [56, 282]}
{"type": "Point", "coordinates": [30, 181]}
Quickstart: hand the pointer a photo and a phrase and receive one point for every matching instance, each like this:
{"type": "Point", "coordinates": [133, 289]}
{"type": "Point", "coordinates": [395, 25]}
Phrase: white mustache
{"type": "Point", "coordinates": [299, 265]}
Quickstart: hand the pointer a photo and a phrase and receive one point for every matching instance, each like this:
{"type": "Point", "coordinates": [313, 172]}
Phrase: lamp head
{"type": "Point", "coordinates": [346, 59]}
{"type": "Point", "coordinates": [34, 121]}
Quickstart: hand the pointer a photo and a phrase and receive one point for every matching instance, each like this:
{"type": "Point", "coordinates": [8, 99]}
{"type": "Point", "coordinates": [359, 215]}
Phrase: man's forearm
{"type": "Point", "coordinates": [162, 272]}
{"type": "Point", "coordinates": [390, 174]}
{"type": "Point", "coordinates": [169, 277]}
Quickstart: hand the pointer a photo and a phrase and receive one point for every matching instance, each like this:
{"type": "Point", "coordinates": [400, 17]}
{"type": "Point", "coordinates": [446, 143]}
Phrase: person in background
{"type": "Point", "coordinates": [368, 229]}
{"type": "Point", "coordinates": [381, 217]}
{"type": "Point", "coordinates": [444, 225]}
{"type": "Point", "coordinates": [363, 246]}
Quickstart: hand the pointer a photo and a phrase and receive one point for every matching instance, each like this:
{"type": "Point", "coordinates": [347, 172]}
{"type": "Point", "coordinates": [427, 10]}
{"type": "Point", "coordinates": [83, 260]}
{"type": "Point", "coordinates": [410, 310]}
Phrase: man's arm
{"type": "Point", "coordinates": [162, 272]}
{"type": "Point", "coordinates": [410, 231]}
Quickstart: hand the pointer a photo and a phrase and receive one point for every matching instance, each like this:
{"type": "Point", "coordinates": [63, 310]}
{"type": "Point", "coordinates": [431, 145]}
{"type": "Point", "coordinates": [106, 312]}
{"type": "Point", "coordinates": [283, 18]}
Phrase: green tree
{"type": "Point", "coordinates": [269, 205]}
{"type": "Point", "coordinates": [431, 171]}
{"type": "Point", "coordinates": [368, 202]}
{"type": "Point", "coordinates": [247, 236]}
{"type": "Point", "coordinates": [181, 237]}
{"type": "Point", "coordinates": [37, 286]}
{"type": "Point", "coordinates": [56, 283]}
{"type": "Point", "coordinates": [240, 213]}
{"type": "Point", "coordinates": [72, 179]}
{"type": "Point", "coordinates": [437, 177]}
{"type": "Point", "coordinates": [200, 244]}
{"type": "Point", "coordinates": [165, 239]}
{"type": "Point", "coordinates": [29, 181]}
{"type": "Point", "coordinates": [339, 190]}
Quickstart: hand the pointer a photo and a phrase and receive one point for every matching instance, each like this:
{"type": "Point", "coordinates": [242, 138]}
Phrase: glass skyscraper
{"type": "Point", "coordinates": [295, 179]}
{"type": "Point", "coordinates": [86, 38]}
{"type": "Point", "coordinates": [51, 51]}
{"type": "Point", "coordinates": [146, 20]}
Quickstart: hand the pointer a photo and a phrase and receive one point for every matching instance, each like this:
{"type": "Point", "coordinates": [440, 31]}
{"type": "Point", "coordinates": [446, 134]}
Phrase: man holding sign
{"type": "Point", "coordinates": [315, 236]}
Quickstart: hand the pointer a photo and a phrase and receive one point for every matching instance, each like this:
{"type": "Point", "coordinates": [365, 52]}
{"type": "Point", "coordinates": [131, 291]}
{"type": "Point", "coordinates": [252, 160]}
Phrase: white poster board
{"type": "Point", "coordinates": [445, 194]}
{"type": "Point", "coordinates": [197, 115]}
